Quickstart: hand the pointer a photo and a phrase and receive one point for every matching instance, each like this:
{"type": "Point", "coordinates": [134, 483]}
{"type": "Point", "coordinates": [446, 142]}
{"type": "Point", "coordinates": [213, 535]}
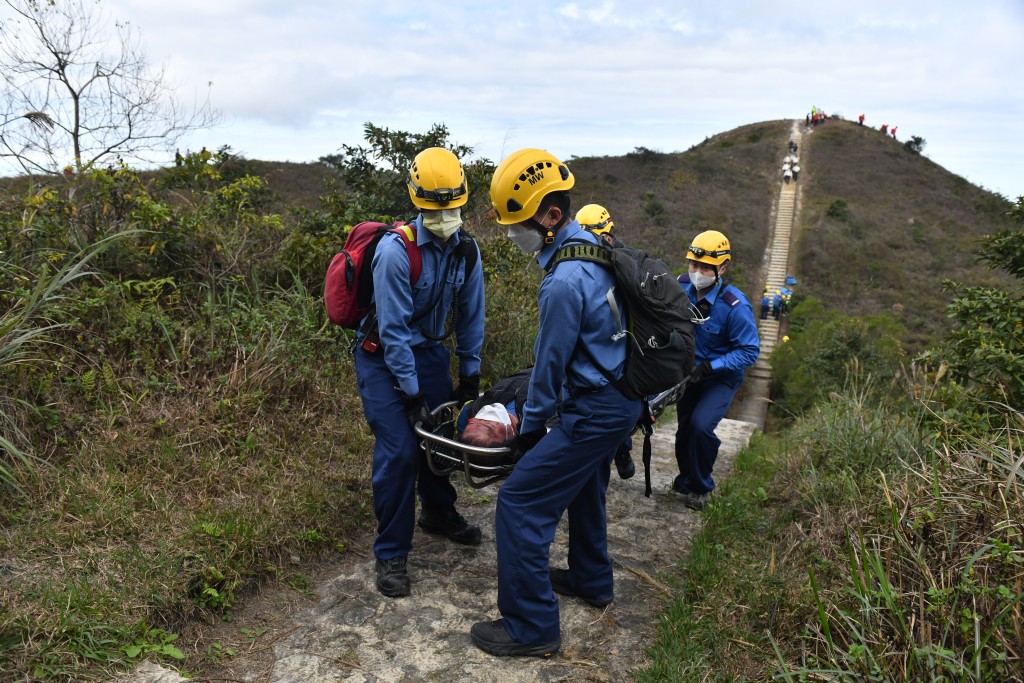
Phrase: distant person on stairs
{"type": "Point", "coordinates": [726, 344]}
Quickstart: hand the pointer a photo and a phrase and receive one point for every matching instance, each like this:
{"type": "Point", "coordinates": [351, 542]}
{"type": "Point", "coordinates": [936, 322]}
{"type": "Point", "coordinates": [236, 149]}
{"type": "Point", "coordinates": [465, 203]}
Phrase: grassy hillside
{"type": "Point", "coordinates": [194, 421]}
{"type": "Point", "coordinates": [882, 227]}
{"type": "Point", "coordinates": [660, 201]}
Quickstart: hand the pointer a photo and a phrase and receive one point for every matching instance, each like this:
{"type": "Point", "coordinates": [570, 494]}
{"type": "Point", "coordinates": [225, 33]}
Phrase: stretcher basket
{"type": "Point", "coordinates": [445, 455]}
{"type": "Point", "coordinates": [483, 466]}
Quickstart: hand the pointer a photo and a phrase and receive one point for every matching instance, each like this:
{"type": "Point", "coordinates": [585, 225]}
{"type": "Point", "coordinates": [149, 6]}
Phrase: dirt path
{"type": "Point", "coordinates": [343, 630]}
{"type": "Point", "coordinates": [349, 632]}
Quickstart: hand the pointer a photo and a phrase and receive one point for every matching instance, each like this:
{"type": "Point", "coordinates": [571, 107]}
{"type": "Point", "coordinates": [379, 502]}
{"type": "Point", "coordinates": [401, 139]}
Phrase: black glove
{"type": "Point", "coordinates": [522, 443]}
{"type": "Point", "coordinates": [700, 373]}
{"type": "Point", "coordinates": [416, 410]}
{"type": "Point", "coordinates": [468, 389]}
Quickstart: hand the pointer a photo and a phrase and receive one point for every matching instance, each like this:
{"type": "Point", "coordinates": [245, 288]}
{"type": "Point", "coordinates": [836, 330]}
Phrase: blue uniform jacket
{"type": "Point", "coordinates": [397, 303]}
{"type": "Point", "coordinates": [728, 341]}
{"type": "Point", "coordinates": [573, 309]}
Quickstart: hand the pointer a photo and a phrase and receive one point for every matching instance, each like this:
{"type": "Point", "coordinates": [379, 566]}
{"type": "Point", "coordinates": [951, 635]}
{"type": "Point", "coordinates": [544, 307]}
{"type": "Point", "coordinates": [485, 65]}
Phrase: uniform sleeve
{"type": "Point", "coordinates": [393, 295]}
{"type": "Point", "coordinates": [560, 309]}
{"type": "Point", "coordinates": [469, 333]}
{"type": "Point", "coordinates": [744, 342]}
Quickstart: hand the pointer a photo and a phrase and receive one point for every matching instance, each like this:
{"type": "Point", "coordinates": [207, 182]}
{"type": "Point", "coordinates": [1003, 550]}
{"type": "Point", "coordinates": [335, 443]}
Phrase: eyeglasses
{"type": "Point", "coordinates": [441, 195]}
{"type": "Point", "coordinates": [700, 252]}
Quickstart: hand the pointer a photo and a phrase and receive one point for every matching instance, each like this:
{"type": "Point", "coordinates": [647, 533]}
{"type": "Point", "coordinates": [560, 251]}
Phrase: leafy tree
{"type": "Point", "coordinates": [68, 101]}
{"type": "Point", "coordinates": [985, 350]}
{"type": "Point", "coordinates": [915, 144]}
{"type": "Point", "coordinates": [824, 347]}
{"type": "Point", "coordinates": [374, 176]}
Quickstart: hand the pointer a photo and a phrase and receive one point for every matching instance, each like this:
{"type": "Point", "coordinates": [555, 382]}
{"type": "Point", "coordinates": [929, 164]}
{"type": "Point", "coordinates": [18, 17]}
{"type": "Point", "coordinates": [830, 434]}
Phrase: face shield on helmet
{"type": "Point", "coordinates": [595, 218]}
{"type": "Point", "coordinates": [521, 182]}
{"type": "Point", "coordinates": [436, 180]}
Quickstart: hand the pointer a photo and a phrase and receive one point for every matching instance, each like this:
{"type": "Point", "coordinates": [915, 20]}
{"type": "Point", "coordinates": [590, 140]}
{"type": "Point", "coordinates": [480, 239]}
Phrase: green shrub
{"type": "Point", "coordinates": [823, 348]}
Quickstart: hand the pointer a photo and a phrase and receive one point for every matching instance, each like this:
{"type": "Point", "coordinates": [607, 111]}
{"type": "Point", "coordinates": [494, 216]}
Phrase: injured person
{"type": "Point", "coordinates": [492, 420]}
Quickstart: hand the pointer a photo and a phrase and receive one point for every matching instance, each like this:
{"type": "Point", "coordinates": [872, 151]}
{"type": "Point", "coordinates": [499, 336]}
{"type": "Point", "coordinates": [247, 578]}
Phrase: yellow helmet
{"type": "Point", "coordinates": [710, 247]}
{"type": "Point", "coordinates": [521, 182]}
{"type": "Point", "coordinates": [436, 180]}
{"type": "Point", "coordinates": [595, 218]}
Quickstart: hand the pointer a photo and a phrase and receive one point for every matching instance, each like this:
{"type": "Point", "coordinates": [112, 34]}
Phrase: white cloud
{"type": "Point", "coordinates": [596, 77]}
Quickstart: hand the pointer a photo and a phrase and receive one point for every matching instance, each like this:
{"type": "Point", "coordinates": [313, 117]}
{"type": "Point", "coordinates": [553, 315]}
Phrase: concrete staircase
{"type": "Point", "coordinates": [776, 262]}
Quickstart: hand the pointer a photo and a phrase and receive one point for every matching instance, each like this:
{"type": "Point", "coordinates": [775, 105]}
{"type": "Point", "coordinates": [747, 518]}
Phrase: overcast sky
{"type": "Point", "coordinates": [295, 80]}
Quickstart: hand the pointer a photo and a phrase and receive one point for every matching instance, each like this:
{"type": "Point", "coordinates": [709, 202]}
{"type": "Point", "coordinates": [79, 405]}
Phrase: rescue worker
{"type": "Point", "coordinates": [765, 303]}
{"type": "Point", "coordinates": [726, 343]}
{"type": "Point", "coordinates": [403, 368]}
{"type": "Point", "coordinates": [596, 219]}
{"type": "Point", "coordinates": [568, 467]}
{"type": "Point", "coordinates": [777, 304]}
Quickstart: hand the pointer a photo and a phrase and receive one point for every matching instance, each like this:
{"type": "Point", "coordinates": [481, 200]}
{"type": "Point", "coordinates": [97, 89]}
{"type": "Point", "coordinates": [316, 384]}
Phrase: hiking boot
{"type": "Point", "coordinates": [560, 584]}
{"type": "Point", "coordinates": [448, 522]}
{"type": "Point", "coordinates": [392, 577]}
{"type": "Point", "coordinates": [624, 464]}
{"type": "Point", "coordinates": [696, 501]}
{"type": "Point", "coordinates": [678, 491]}
{"type": "Point", "coordinates": [492, 638]}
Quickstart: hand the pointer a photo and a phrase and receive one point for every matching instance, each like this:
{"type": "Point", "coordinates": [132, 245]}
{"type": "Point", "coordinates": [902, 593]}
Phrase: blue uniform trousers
{"type": "Point", "coordinates": [568, 469]}
{"type": "Point", "coordinates": [699, 411]}
{"type": "Point", "coordinates": [399, 465]}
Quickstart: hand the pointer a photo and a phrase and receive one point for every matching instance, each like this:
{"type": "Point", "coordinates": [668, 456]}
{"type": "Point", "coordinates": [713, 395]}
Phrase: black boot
{"type": "Point", "coordinates": [624, 463]}
{"type": "Point", "coordinates": [560, 584]}
{"type": "Point", "coordinates": [492, 638]}
{"type": "Point", "coordinates": [447, 521]}
{"type": "Point", "coordinates": [392, 577]}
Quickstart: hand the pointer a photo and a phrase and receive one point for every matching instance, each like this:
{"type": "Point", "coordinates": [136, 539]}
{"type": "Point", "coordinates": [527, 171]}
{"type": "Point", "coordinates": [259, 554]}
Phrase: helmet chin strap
{"type": "Point", "coordinates": [547, 233]}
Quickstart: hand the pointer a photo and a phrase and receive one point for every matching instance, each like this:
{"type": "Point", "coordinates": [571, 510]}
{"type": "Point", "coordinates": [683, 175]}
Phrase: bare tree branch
{"type": "Point", "coordinates": [67, 99]}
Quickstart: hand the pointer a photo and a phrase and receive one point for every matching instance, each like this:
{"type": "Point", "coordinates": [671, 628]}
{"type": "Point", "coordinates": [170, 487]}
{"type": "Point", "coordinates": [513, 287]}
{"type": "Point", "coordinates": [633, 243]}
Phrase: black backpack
{"type": "Point", "coordinates": [658, 322]}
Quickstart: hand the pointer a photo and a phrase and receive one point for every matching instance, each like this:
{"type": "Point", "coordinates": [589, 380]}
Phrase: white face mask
{"type": "Point", "coordinates": [529, 241]}
{"type": "Point", "coordinates": [443, 223]}
{"type": "Point", "coordinates": [701, 281]}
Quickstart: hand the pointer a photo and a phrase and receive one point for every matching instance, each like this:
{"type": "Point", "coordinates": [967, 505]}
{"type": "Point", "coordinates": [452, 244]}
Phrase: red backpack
{"type": "Point", "coordinates": [349, 282]}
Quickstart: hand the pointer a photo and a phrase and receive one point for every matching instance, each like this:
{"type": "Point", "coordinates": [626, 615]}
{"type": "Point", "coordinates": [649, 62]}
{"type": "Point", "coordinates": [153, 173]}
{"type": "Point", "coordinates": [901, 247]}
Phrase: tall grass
{"type": "Point", "coordinates": [856, 547]}
{"type": "Point", "coordinates": [925, 564]}
{"type": "Point", "coordinates": [25, 331]}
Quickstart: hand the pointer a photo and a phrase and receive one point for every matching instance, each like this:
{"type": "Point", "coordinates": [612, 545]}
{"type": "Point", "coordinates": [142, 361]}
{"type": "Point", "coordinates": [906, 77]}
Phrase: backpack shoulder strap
{"type": "Point", "coordinates": [407, 232]}
{"type": "Point", "coordinates": [581, 250]}
{"type": "Point", "coordinates": [467, 250]}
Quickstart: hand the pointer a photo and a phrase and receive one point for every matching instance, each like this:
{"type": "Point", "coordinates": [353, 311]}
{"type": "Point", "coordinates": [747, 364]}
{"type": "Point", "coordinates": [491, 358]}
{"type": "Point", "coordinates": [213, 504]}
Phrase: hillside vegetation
{"type": "Point", "coordinates": [179, 423]}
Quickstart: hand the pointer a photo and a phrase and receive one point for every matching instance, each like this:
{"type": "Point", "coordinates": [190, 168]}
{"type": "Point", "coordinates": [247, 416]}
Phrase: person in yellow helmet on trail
{"type": "Point", "coordinates": [406, 373]}
{"type": "Point", "coordinates": [595, 218]}
{"type": "Point", "coordinates": [566, 469]}
{"type": "Point", "coordinates": [726, 343]}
